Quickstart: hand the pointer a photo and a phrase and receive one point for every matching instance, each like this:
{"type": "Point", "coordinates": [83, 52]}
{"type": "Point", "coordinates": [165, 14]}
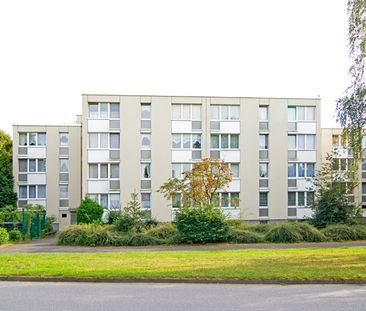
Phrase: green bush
{"type": "Point", "coordinates": [244, 236]}
{"type": "Point", "coordinates": [283, 233]}
{"type": "Point", "coordinates": [308, 232]}
{"type": "Point", "coordinates": [237, 224]}
{"type": "Point", "coordinates": [360, 231]}
{"type": "Point", "coordinates": [142, 239]}
{"type": "Point", "coordinates": [48, 228]}
{"type": "Point", "coordinates": [4, 236]}
{"type": "Point", "coordinates": [202, 224]}
{"type": "Point", "coordinates": [340, 232]}
{"type": "Point", "coordinates": [89, 212]}
{"type": "Point", "coordinates": [150, 223]}
{"type": "Point", "coordinates": [113, 216]}
{"type": "Point", "coordinates": [260, 228]}
{"type": "Point", "coordinates": [15, 235]}
{"type": "Point", "coordinates": [166, 231]}
{"type": "Point", "coordinates": [83, 235]}
{"type": "Point", "coordinates": [124, 223]}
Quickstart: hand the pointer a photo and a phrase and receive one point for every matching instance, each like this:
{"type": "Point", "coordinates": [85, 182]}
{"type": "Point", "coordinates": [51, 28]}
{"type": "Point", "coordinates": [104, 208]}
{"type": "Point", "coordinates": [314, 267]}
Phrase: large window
{"type": "Point", "coordinates": [32, 165]}
{"type": "Point", "coordinates": [32, 139]}
{"type": "Point", "coordinates": [301, 113]}
{"type": "Point", "coordinates": [263, 113]}
{"type": "Point", "coordinates": [104, 140]}
{"type": "Point", "coordinates": [32, 192]}
{"type": "Point", "coordinates": [301, 142]}
{"type": "Point", "coordinates": [186, 112]}
{"type": "Point", "coordinates": [146, 200]}
{"type": "Point", "coordinates": [64, 191]}
{"type": "Point", "coordinates": [228, 199]}
{"type": "Point", "coordinates": [301, 169]}
{"type": "Point", "coordinates": [186, 141]}
{"type": "Point", "coordinates": [145, 111]}
{"type": "Point", "coordinates": [263, 170]}
{"type": "Point", "coordinates": [263, 199]}
{"type": "Point", "coordinates": [146, 141]}
{"type": "Point", "coordinates": [224, 141]}
{"type": "Point", "coordinates": [110, 201]}
{"type": "Point", "coordinates": [179, 168]}
{"type": "Point", "coordinates": [342, 164]}
{"type": "Point", "coordinates": [64, 165]}
{"type": "Point", "coordinates": [64, 139]}
{"type": "Point", "coordinates": [104, 110]}
{"type": "Point", "coordinates": [300, 198]}
{"type": "Point", "coordinates": [104, 171]}
{"type": "Point", "coordinates": [225, 113]}
{"type": "Point", "coordinates": [263, 142]}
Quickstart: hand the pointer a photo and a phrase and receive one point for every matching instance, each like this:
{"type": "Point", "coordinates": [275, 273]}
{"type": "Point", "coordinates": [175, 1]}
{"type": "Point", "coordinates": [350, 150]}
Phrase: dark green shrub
{"type": "Point", "coordinates": [260, 228]}
{"type": "Point", "coordinates": [15, 235]}
{"type": "Point", "coordinates": [83, 235]}
{"type": "Point", "coordinates": [4, 236]}
{"type": "Point", "coordinates": [340, 232]}
{"type": "Point", "coordinates": [124, 223]}
{"type": "Point", "coordinates": [115, 238]}
{"type": "Point", "coordinates": [113, 216]}
{"type": "Point", "coordinates": [308, 232]}
{"type": "Point", "coordinates": [202, 224]}
{"type": "Point", "coordinates": [164, 231]}
{"type": "Point", "coordinates": [237, 224]}
{"type": "Point", "coordinates": [48, 228]}
{"type": "Point", "coordinates": [244, 236]}
{"type": "Point", "coordinates": [141, 239]}
{"type": "Point", "coordinates": [89, 212]}
{"type": "Point", "coordinates": [360, 231]}
{"type": "Point", "coordinates": [283, 233]}
{"type": "Point", "coordinates": [150, 223]}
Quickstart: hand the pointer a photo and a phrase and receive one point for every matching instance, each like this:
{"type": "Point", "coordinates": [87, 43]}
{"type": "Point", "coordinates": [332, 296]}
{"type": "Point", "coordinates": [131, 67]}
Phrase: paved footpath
{"type": "Point", "coordinates": [49, 245]}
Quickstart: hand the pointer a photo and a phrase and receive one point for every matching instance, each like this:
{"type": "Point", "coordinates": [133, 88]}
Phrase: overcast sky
{"type": "Point", "coordinates": [53, 51]}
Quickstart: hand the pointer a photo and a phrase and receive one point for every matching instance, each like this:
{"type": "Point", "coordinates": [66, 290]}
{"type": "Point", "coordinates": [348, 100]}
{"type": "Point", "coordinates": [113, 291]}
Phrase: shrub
{"type": "Point", "coordinates": [340, 232]}
{"type": "Point", "coordinates": [360, 231]}
{"type": "Point", "coordinates": [83, 235]}
{"type": "Point", "coordinates": [15, 235]}
{"type": "Point", "coordinates": [89, 212]}
{"type": "Point", "coordinates": [166, 231]}
{"type": "Point", "coordinates": [283, 233]}
{"type": "Point", "coordinates": [150, 223]}
{"type": "Point", "coordinates": [260, 228]}
{"type": "Point", "coordinates": [309, 233]}
{"type": "Point", "coordinates": [244, 236]}
{"type": "Point", "coordinates": [4, 236]}
{"type": "Point", "coordinates": [113, 216]}
{"type": "Point", "coordinates": [124, 223]}
{"type": "Point", "coordinates": [48, 228]}
{"type": "Point", "coordinates": [202, 224]}
{"type": "Point", "coordinates": [237, 224]}
{"type": "Point", "coordinates": [142, 239]}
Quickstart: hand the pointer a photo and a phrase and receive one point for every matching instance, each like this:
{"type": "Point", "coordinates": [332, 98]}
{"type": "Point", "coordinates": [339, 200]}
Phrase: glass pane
{"type": "Point", "coordinates": [234, 141]}
{"type": "Point", "coordinates": [145, 200]}
{"type": "Point", "coordinates": [32, 192]}
{"type": "Point", "coordinates": [114, 111]}
{"type": "Point", "coordinates": [224, 199]}
{"type": "Point", "coordinates": [103, 110]}
{"type": "Point", "coordinates": [93, 170]}
{"type": "Point", "coordinates": [23, 166]}
{"type": "Point", "coordinates": [22, 139]}
{"type": "Point", "coordinates": [41, 165]}
{"type": "Point", "coordinates": [301, 113]}
{"type": "Point", "coordinates": [263, 142]}
{"type": "Point", "coordinates": [114, 170]}
{"type": "Point", "coordinates": [186, 141]}
{"type": "Point", "coordinates": [93, 140]}
{"type": "Point", "coordinates": [186, 167]}
{"type": "Point", "coordinates": [41, 192]}
{"type": "Point", "coordinates": [224, 112]}
{"type": "Point", "coordinates": [215, 142]}
{"type": "Point", "coordinates": [114, 141]}
{"type": "Point", "coordinates": [234, 112]}
{"type": "Point", "coordinates": [263, 170]}
{"type": "Point", "coordinates": [145, 141]}
{"type": "Point", "coordinates": [309, 198]}
{"type": "Point", "coordinates": [263, 113]}
{"type": "Point", "coordinates": [196, 141]}
{"type": "Point", "coordinates": [41, 139]}
{"type": "Point", "coordinates": [23, 193]}
{"type": "Point", "coordinates": [364, 165]}
{"type": "Point", "coordinates": [234, 199]}
{"type": "Point", "coordinates": [310, 113]}
{"type": "Point", "coordinates": [186, 112]}
{"type": "Point", "coordinates": [364, 142]}
{"type": "Point", "coordinates": [32, 165]}
{"type": "Point", "coordinates": [291, 199]}
{"type": "Point", "coordinates": [145, 112]}
{"type": "Point", "coordinates": [196, 112]}
{"type": "Point", "coordinates": [291, 142]}
{"type": "Point", "coordinates": [104, 171]}
{"type": "Point", "coordinates": [310, 142]}
{"type": "Point", "coordinates": [301, 198]}
{"type": "Point", "coordinates": [146, 170]}
{"type": "Point", "coordinates": [363, 188]}
{"type": "Point", "coordinates": [291, 113]}
{"type": "Point", "coordinates": [64, 191]}
{"type": "Point", "coordinates": [103, 140]}
{"type": "Point", "coordinates": [32, 139]}
{"type": "Point", "coordinates": [176, 170]}
{"type": "Point", "coordinates": [301, 170]}
{"type": "Point", "coordinates": [176, 141]}
{"type": "Point", "coordinates": [335, 165]}
{"type": "Point", "coordinates": [93, 111]}
{"type": "Point", "coordinates": [335, 140]}
{"type": "Point", "coordinates": [64, 139]}
{"type": "Point", "coordinates": [104, 200]}
{"type": "Point", "coordinates": [301, 141]}
{"type": "Point", "coordinates": [310, 170]}
{"type": "Point", "coordinates": [291, 170]}
{"type": "Point", "coordinates": [215, 112]}
{"type": "Point", "coordinates": [115, 201]}
{"type": "Point", "coordinates": [176, 112]}
{"type": "Point", "coordinates": [263, 199]}
{"type": "Point", "coordinates": [224, 141]}
{"type": "Point", "coordinates": [234, 167]}
{"type": "Point", "coordinates": [64, 165]}
{"type": "Point", "coordinates": [176, 200]}
{"type": "Point", "coordinates": [343, 164]}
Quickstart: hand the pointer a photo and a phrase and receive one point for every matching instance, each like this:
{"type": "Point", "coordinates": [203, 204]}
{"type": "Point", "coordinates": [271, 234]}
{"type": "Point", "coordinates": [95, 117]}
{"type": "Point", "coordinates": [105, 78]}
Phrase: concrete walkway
{"type": "Point", "coordinates": [49, 245]}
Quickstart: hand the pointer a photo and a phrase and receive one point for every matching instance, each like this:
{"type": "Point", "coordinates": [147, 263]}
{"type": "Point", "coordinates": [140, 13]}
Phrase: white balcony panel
{"type": "Point", "coordinates": [306, 127]}
{"type": "Point", "coordinates": [98, 125]}
{"type": "Point", "coordinates": [303, 212]}
{"type": "Point", "coordinates": [234, 186]}
{"type": "Point", "coordinates": [230, 155]}
{"type": "Point", "coordinates": [98, 156]}
{"type": "Point", "coordinates": [36, 152]}
{"type": "Point", "coordinates": [306, 156]}
{"type": "Point", "coordinates": [37, 201]}
{"type": "Point", "coordinates": [232, 213]}
{"type": "Point", "coordinates": [181, 156]}
{"type": "Point", "coordinates": [36, 179]}
{"type": "Point", "coordinates": [181, 126]}
{"type": "Point", "coordinates": [98, 186]}
{"type": "Point", "coordinates": [232, 127]}
{"type": "Point", "coordinates": [304, 184]}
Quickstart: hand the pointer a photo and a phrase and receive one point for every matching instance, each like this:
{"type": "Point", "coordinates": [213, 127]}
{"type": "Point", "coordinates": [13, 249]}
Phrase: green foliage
{"type": "Point", "coordinates": [165, 231]}
{"type": "Point", "coordinates": [244, 236]}
{"type": "Point", "coordinates": [283, 233]}
{"type": "Point", "coordinates": [10, 213]}
{"type": "Point", "coordinates": [360, 231]}
{"type": "Point", "coordinates": [83, 235]}
{"type": "Point", "coordinates": [309, 233]}
{"type": "Point", "coordinates": [260, 228]}
{"type": "Point", "coordinates": [30, 211]}
{"type": "Point", "coordinates": [124, 223]}
{"type": "Point", "coordinates": [113, 216]}
{"type": "Point", "coordinates": [150, 223]}
{"type": "Point", "coordinates": [237, 224]}
{"type": "Point", "coordinates": [142, 239]}
{"type": "Point", "coordinates": [15, 235]}
{"type": "Point", "coordinates": [340, 232]}
{"type": "Point", "coordinates": [202, 224]}
{"type": "Point", "coordinates": [48, 228]}
{"type": "Point", "coordinates": [89, 212]}
{"type": "Point", "coordinates": [4, 236]}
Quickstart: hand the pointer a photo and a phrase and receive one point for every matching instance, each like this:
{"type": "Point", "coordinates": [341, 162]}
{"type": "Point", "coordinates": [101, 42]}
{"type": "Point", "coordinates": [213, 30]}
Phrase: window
{"type": "Point", "coordinates": [310, 170]}
{"type": "Point", "coordinates": [64, 191]}
{"type": "Point", "coordinates": [179, 168]}
{"type": "Point", "coordinates": [32, 139]}
{"type": "Point", "coordinates": [263, 113]}
{"type": "Point", "coordinates": [302, 169]}
{"type": "Point", "coordinates": [291, 198]}
{"type": "Point", "coordinates": [93, 111]}
{"type": "Point", "coordinates": [114, 111]}
{"type": "Point", "coordinates": [363, 164]}
{"type": "Point", "coordinates": [114, 141]}
{"type": "Point", "coordinates": [263, 170]}
{"type": "Point", "coordinates": [93, 140]}
{"type": "Point", "coordinates": [196, 112]}
{"type": "Point", "coordinates": [342, 164]}
{"type": "Point", "coordinates": [146, 200]}
{"type": "Point", "coordinates": [64, 139]}
{"type": "Point", "coordinates": [263, 198]}
{"type": "Point", "coordinates": [114, 199]}
{"type": "Point", "coordinates": [23, 166]}
{"type": "Point", "coordinates": [104, 200]}
{"type": "Point", "coordinates": [224, 199]}
{"type": "Point", "coordinates": [301, 198]}
{"type": "Point", "coordinates": [228, 199]}
{"type": "Point", "coordinates": [41, 139]}
{"type": "Point", "coordinates": [224, 141]}
{"type": "Point", "coordinates": [103, 170]}
{"type": "Point", "coordinates": [114, 170]}
{"type": "Point", "coordinates": [301, 113]}
{"type": "Point", "coordinates": [32, 192]}
{"type": "Point", "coordinates": [32, 165]}
{"type": "Point", "coordinates": [186, 141]}
{"type": "Point", "coordinates": [41, 165]}
{"type": "Point", "coordinates": [145, 111]}
{"type": "Point", "coordinates": [103, 140]}
{"type": "Point", "coordinates": [145, 141]}
{"type": "Point", "coordinates": [301, 142]}
{"type": "Point", "coordinates": [93, 170]}
{"type": "Point", "coordinates": [64, 165]}
{"type": "Point", "coordinates": [363, 188]}
{"type": "Point", "coordinates": [292, 170]}
{"type": "Point", "coordinates": [309, 198]}
{"type": "Point", "coordinates": [103, 110]}
{"type": "Point", "coordinates": [291, 142]}
{"type": "Point", "coordinates": [23, 192]}
{"type": "Point", "coordinates": [186, 112]}
{"type": "Point", "coordinates": [23, 139]}
{"type": "Point", "coordinates": [234, 167]}
{"type": "Point", "coordinates": [263, 142]}
{"type": "Point", "coordinates": [225, 112]}
{"type": "Point", "coordinates": [146, 174]}
{"type": "Point", "coordinates": [176, 198]}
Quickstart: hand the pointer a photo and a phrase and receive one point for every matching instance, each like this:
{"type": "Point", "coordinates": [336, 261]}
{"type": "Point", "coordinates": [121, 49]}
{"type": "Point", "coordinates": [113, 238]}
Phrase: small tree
{"type": "Point", "coordinates": [200, 185]}
{"type": "Point", "coordinates": [89, 212]}
{"type": "Point", "coordinates": [331, 204]}
{"type": "Point", "coordinates": [131, 217]}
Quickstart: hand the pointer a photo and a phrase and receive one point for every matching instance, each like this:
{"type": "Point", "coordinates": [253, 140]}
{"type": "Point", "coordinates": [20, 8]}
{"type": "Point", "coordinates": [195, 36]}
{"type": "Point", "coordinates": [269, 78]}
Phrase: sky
{"type": "Point", "coordinates": [51, 52]}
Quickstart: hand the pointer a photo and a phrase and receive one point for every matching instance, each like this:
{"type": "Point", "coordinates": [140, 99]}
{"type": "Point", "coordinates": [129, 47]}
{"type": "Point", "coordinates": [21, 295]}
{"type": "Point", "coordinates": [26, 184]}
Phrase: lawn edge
{"type": "Point", "coordinates": [180, 280]}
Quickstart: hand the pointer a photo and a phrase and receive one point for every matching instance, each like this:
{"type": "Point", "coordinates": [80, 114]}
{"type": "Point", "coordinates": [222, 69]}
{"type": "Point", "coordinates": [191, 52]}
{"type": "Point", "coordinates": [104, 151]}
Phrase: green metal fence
{"type": "Point", "coordinates": [33, 224]}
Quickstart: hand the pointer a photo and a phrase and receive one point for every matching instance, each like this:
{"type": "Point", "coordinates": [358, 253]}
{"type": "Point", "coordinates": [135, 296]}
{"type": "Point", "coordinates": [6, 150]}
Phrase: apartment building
{"type": "Point", "coordinates": [125, 144]}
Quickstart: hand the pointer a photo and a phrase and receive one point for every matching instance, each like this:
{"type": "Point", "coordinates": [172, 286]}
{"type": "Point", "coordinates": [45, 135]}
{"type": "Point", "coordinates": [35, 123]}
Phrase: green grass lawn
{"type": "Point", "coordinates": [281, 264]}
